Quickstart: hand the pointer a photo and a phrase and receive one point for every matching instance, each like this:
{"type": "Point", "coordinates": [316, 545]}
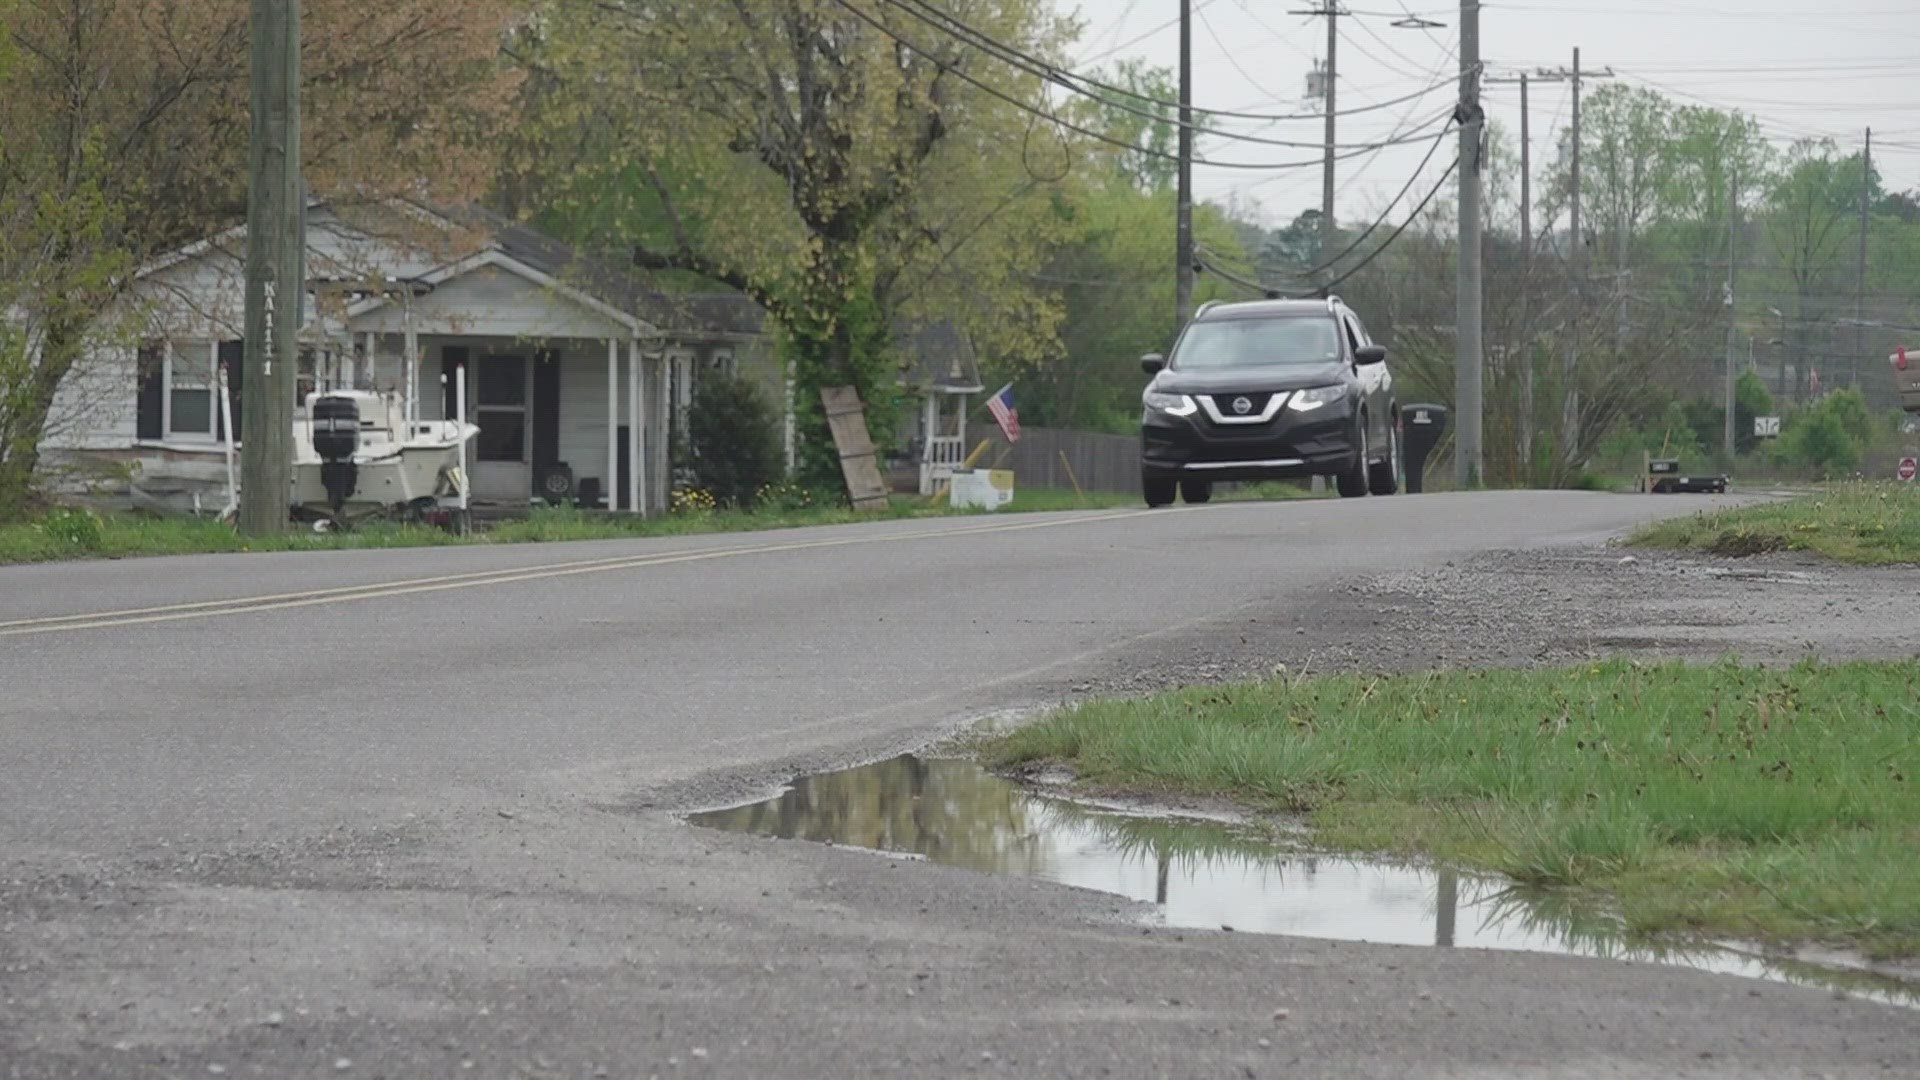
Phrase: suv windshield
{"type": "Point", "coordinates": [1234, 343]}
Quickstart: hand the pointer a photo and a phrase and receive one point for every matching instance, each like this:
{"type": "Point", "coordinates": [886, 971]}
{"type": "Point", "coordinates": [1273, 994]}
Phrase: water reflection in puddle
{"type": "Point", "coordinates": [1208, 875]}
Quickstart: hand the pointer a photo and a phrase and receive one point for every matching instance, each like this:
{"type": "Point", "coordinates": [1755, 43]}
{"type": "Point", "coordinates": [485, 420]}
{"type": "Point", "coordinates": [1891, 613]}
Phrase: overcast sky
{"type": "Point", "coordinates": [1801, 67]}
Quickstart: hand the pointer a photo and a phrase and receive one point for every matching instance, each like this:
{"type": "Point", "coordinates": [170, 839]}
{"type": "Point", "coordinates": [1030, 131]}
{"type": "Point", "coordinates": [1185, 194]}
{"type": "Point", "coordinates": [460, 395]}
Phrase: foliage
{"type": "Point", "coordinates": [1728, 799]}
{"type": "Point", "coordinates": [826, 159]}
{"type": "Point", "coordinates": [152, 153]}
{"type": "Point", "coordinates": [733, 441]}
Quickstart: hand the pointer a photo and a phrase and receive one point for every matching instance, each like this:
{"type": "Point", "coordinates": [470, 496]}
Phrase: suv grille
{"type": "Point", "coordinates": [1256, 404]}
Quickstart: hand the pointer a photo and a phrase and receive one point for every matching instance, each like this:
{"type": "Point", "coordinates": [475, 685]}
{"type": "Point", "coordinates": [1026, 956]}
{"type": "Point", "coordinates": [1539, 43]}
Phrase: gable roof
{"type": "Point", "coordinates": [605, 287]}
{"type": "Point", "coordinates": [939, 356]}
{"type": "Point", "coordinates": [728, 314]}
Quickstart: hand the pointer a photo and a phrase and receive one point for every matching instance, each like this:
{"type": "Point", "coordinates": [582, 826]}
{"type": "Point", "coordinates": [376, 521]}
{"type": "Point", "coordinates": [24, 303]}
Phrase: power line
{"type": "Point", "coordinates": [1259, 166]}
{"type": "Point", "coordinates": [1033, 65]}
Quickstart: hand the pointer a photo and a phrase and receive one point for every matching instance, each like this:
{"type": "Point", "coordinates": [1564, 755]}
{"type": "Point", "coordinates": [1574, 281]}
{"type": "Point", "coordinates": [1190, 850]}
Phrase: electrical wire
{"type": "Point", "coordinates": [953, 27]}
{"type": "Point", "coordinates": [1263, 166]}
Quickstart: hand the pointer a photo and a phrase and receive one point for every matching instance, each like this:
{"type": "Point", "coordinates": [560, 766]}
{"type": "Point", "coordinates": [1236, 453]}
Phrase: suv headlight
{"type": "Point", "coordinates": [1309, 400]}
{"type": "Point", "coordinates": [1171, 404]}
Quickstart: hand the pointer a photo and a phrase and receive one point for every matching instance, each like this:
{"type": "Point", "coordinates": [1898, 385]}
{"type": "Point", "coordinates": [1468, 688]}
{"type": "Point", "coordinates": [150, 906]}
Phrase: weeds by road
{"type": "Point", "coordinates": [1863, 524]}
{"type": "Point", "coordinates": [74, 534]}
{"type": "Point", "coordinates": [1733, 800]}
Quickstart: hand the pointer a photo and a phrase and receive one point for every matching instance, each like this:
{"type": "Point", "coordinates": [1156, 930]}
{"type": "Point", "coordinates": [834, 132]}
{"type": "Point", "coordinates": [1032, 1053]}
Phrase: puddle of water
{"type": "Point", "coordinates": [1208, 875]}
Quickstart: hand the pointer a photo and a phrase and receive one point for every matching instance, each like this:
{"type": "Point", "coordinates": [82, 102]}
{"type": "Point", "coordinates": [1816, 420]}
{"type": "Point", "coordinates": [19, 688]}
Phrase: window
{"type": "Point", "coordinates": [1235, 343]}
{"type": "Point", "coordinates": [190, 403]}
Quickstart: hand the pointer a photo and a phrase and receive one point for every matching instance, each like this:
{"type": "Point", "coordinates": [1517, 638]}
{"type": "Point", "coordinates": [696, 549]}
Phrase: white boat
{"type": "Point", "coordinates": [388, 467]}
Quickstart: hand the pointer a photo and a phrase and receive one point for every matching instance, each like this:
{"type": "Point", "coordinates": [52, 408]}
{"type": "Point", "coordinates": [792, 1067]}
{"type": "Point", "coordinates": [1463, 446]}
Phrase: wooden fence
{"type": "Point", "coordinates": [1100, 462]}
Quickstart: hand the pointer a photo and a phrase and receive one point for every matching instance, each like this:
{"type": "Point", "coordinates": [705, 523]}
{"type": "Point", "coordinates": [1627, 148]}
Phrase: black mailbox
{"type": "Point", "coordinates": [1421, 428]}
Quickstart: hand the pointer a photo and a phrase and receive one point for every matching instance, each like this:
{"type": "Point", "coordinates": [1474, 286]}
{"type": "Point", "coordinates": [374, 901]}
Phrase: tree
{"type": "Point", "coordinates": [831, 159]}
{"type": "Point", "coordinates": [125, 135]}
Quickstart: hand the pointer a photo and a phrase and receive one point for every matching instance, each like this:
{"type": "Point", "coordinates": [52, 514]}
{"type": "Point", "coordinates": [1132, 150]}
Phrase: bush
{"type": "Point", "coordinates": [732, 448]}
{"type": "Point", "coordinates": [1831, 437]}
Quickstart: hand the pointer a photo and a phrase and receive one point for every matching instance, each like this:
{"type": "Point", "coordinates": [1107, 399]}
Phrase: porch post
{"type": "Point", "coordinates": [612, 486]}
{"type": "Point", "coordinates": [642, 489]}
{"type": "Point", "coordinates": [663, 435]}
{"type": "Point", "coordinates": [373, 361]}
{"type": "Point", "coordinates": [929, 441]}
{"type": "Point", "coordinates": [634, 456]}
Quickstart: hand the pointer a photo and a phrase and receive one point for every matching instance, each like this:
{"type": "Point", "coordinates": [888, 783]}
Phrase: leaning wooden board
{"type": "Point", "coordinates": [859, 462]}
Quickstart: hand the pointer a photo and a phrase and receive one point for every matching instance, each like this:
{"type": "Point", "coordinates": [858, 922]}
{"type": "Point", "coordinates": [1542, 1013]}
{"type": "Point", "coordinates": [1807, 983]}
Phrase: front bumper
{"type": "Point", "coordinates": [1291, 446]}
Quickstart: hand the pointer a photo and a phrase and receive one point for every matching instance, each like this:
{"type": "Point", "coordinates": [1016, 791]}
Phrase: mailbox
{"type": "Point", "coordinates": [1421, 428]}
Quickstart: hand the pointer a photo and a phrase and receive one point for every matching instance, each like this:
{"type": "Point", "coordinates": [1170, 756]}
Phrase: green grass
{"type": "Point", "coordinates": [1865, 524]}
{"type": "Point", "coordinates": [65, 534]}
{"type": "Point", "coordinates": [1728, 799]}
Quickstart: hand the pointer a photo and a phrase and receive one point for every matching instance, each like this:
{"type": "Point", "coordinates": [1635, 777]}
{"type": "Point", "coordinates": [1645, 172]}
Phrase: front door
{"type": "Point", "coordinates": [502, 467]}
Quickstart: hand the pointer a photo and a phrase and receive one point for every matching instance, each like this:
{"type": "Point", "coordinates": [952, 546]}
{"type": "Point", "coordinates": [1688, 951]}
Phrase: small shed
{"type": "Point", "coordinates": [942, 369]}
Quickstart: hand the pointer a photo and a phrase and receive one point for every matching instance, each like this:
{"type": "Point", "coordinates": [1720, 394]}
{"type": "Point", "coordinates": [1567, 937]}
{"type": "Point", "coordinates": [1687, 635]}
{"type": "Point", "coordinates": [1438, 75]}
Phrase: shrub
{"type": "Point", "coordinates": [732, 448]}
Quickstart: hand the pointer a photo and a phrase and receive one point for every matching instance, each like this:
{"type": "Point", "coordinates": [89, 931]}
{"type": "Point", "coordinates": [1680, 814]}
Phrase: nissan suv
{"type": "Point", "coordinates": [1269, 390]}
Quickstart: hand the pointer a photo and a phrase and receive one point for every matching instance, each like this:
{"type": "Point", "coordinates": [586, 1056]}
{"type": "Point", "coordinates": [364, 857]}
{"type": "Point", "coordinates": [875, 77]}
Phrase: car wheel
{"type": "Point", "coordinates": [1159, 490]}
{"type": "Point", "coordinates": [1353, 482]}
{"type": "Point", "coordinates": [1383, 478]}
{"type": "Point", "coordinates": [1196, 492]}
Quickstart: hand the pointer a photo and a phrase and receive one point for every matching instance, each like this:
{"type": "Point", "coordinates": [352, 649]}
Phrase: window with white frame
{"type": "Point", "coordinates": [178, 389]}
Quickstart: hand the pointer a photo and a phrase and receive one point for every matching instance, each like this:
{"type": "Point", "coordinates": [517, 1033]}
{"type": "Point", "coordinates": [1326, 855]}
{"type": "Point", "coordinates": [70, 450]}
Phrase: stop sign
{"type": "Point", "coordinates": [1908, 467]}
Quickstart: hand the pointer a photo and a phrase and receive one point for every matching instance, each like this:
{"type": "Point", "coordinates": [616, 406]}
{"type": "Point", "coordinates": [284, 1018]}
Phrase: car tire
{"type": "Point", "coordinates": [1353, 482]}
{"type": "Point", "coordinates": [1159, 490]}
{"type": "Point", "coordinates": [1196, 492]}
{"type": "Point", "coordinates": [1383, 477]}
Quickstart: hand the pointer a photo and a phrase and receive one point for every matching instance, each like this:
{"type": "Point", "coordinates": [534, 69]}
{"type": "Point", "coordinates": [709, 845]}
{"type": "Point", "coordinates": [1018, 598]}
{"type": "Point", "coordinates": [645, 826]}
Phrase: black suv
{"type": "Point", "coordinates": [1269, 390]}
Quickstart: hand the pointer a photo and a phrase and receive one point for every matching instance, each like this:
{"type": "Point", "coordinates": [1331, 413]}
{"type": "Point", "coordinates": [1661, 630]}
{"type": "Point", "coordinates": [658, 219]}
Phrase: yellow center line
{"type": "Point", "coordinates": [444, 583]}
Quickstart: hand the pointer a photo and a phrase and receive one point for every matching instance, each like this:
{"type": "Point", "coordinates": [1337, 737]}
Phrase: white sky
{"type": "Point", "coordinates": [1801, 67]}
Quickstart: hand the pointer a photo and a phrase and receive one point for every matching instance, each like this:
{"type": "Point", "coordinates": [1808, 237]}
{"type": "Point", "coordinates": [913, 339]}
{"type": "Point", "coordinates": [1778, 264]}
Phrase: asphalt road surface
{"type": "Point", "coordinates": [414, 814]}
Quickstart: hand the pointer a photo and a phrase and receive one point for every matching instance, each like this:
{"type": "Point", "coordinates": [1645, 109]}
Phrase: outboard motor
{"type": "Point", "coordinates": [336, 438]}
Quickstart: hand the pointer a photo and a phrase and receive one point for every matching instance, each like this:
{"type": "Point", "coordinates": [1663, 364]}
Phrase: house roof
{"type": "Point", "coordinates": [939, 356]}
{"type": "Point", "coordinates": [601, 284]}
{"type": "Point", "coordinates": [715, 313]}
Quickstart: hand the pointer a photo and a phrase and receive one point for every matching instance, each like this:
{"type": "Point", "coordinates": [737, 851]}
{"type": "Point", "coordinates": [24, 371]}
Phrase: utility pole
{"type": "Point", "coordinates": [1469, 458]}
{"type": "Point", "coordinates": [1329, 90]}
{"type": "Point", "coordinates": [1526, 284]}
{"type": "Point", "coordinates": [1333, 96]}
{"type": "Point", "coordinates": [275, 285]}
{"type": "Point", "coordinates": [1525, 81]}
{"type": "Point", "coordinates": [1860, 286]}
{"type": "Point", "coordinates": [1733, 297]}
{"type": "Point", "coordinates": [1183, 198]}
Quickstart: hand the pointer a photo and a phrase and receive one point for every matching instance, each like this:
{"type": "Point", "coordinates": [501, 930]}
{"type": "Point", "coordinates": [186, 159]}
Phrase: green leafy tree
{"type": "Point", "coordinates": [831, 160]}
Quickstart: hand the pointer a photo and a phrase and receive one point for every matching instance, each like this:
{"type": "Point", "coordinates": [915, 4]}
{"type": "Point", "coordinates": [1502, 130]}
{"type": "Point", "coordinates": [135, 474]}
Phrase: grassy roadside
{"type": "Point", "coordinates": [64, 535]}
{"type": "Point", "coordinates": [1862, 524]}
{"type": "Point", "coordinates": [1731, 800]}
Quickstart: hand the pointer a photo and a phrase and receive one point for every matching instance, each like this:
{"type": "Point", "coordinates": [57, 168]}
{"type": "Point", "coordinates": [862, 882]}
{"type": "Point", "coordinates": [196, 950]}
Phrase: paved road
{"type": "Point", "coordinates": [411, 814]}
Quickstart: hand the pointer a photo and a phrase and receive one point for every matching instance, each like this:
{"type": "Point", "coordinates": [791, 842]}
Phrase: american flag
{"type": "Point", "coordinates": [1001, 406]}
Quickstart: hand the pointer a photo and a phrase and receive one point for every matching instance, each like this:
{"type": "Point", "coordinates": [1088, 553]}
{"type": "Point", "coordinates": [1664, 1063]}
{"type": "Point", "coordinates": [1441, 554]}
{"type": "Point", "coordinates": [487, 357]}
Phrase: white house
{"type": "Point", "coordinates": [574, 369]}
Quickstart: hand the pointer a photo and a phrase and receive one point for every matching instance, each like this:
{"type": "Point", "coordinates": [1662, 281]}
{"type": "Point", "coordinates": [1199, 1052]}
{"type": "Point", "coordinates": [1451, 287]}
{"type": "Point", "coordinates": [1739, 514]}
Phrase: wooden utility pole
{"type": "Point", "coordinates": [1860, 284]}
{"type": "Point", "coordinates": [1329, 93]}
{"type": "Point", "coordinates": [275, 289]}
{"type": "Point", "coordinates": [1733, 305]}
{"type": "Point", "coordinates": [1183, 197]}
{"type": "Point", "coordinates": [1469, 457]}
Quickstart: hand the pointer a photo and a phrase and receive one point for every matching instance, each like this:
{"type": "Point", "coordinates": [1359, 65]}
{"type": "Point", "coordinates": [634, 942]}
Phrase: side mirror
{"type": "Point", "coordinates": [1153, 363]}
{"type": "Point", "coordinates": [1370, 354]}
